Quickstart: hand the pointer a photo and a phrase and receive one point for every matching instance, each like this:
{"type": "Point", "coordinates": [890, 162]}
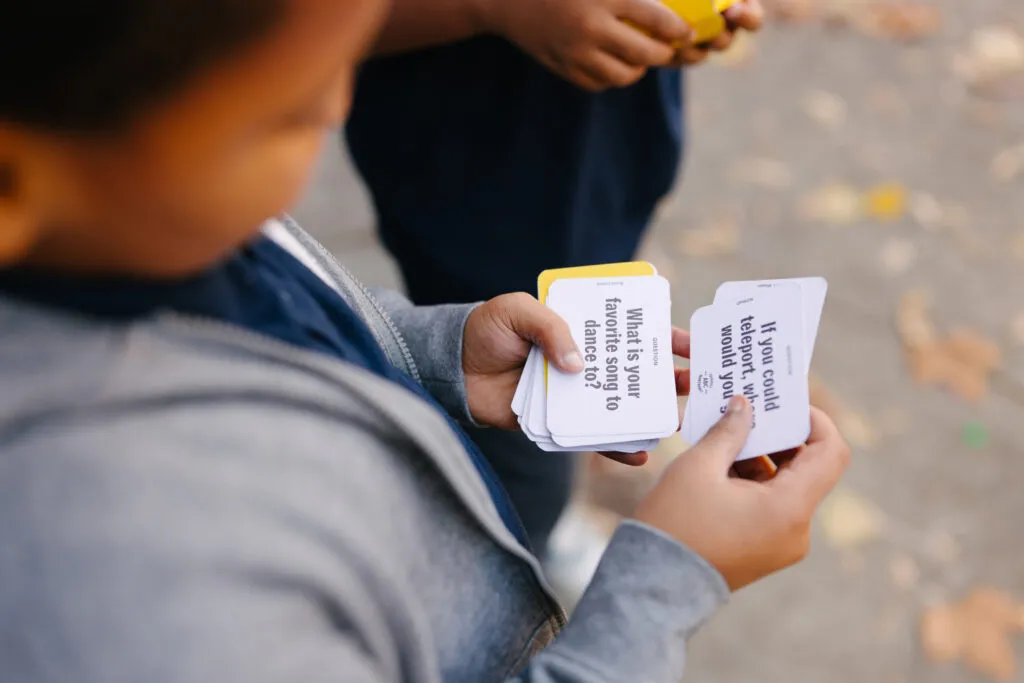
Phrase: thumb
{"type": "Point", "coordinates": [725, 440]}
{"type": "Point", "coordinates": [532, 320]}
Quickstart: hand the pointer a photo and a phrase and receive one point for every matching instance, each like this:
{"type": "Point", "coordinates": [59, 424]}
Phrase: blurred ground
{"type": "Point", "coordinates": [849, 146]}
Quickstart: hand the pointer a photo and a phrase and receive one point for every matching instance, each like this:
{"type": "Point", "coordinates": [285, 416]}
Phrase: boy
{"type": "Point", "coordinates": [217, 463]}
{"type": "Point", "coordinates": [499, 139]}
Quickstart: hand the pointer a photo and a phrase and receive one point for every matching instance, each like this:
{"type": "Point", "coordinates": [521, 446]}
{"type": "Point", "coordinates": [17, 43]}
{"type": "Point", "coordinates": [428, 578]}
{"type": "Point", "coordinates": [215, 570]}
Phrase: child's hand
{"type": "Point", "coordinates": [747, 15]}
{"type": "Point", "coordinates": [746, 530]}
{"type": "Point", "coordinates": [496, 342]}
{"type": "Point", "coordinates": [587, 42]}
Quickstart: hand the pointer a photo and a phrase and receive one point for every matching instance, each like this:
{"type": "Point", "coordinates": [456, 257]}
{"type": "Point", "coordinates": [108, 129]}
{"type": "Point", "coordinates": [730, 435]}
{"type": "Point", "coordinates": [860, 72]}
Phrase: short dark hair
{"type": "Point", "coordinates": [89, 66]}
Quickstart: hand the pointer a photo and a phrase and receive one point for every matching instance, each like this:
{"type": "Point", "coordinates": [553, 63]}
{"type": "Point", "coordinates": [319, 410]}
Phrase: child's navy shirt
{"type": "Point", "coordinates": [486, 169]}
{"type": "Point", "coordinates": [262, 288]}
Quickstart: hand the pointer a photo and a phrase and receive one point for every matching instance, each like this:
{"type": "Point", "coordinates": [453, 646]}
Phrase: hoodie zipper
{"type": "Point", "coordinates": [346, 282]}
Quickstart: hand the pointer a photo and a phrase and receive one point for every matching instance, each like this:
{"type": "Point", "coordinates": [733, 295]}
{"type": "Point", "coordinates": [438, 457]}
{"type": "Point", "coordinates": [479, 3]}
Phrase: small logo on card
{"type": "Point", "coordinates": [705, 382]}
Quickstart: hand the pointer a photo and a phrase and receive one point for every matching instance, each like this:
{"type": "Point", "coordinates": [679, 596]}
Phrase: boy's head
{"type": "Point", "coordinates": [151, 137]}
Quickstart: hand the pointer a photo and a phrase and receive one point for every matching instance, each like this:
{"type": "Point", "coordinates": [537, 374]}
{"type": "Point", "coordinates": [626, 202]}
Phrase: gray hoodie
{"type": "Point", "coordinates": [186, 502]}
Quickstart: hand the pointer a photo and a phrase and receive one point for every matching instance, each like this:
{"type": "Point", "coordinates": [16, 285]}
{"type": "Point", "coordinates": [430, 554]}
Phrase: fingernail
{"type": "Point", "coordinates": [572, 361]}
{"type": "Point", "coordinates": [736, 405]}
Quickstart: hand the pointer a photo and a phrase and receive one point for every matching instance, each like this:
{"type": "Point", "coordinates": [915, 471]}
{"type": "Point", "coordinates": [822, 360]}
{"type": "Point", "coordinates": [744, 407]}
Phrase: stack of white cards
{"type": "Point", "coordinates": [756, 340]}
{"type": "Point", "coordinates": [625, 398]}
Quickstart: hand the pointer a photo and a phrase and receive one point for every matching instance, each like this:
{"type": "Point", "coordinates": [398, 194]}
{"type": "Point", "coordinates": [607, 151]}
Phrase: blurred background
{"type": "Point", "coordinates": [879, 143]}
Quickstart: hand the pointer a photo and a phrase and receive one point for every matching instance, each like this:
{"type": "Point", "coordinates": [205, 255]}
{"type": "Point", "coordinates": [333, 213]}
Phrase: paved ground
{"type": "Point", "coordinates": [929, 509]}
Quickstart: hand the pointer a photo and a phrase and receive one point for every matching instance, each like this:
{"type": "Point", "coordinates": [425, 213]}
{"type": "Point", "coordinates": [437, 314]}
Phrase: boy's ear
{"type": "Point", "coordinates": [21, 172]}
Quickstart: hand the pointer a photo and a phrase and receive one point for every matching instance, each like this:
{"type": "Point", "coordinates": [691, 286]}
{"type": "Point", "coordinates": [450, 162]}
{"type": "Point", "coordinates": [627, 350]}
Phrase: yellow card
{"type": "Point", "coordinates": [626, 269]}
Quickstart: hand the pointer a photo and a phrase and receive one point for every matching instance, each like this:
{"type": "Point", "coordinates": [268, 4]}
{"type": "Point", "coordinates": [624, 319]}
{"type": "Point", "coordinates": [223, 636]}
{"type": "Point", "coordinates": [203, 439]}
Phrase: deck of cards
{"type": "Point", "coordinates": [755, 340]}
{"type": "Point", "coordinates": [620, 315]}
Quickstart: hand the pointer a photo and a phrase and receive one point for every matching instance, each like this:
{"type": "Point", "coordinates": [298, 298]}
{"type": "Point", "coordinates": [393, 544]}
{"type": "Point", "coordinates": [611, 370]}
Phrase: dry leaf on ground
{"type": "Point", "coordinates": [834, 204]}
{"type": "Point", "coordinates": [899, 20]}
{"type": "Point", "coordinates": [993, 53]}
{"type": "Point", "coordinates": [962, 361]}
{"type": "Point", "coordinates": [849, 521]}
{"type": "Point", "coordinates": [793, 10]}
{"type": "Point", "coordinates": [886, 203]}
{"type": "Point", "coordinates": [718, 238]}
{"type": "Point", "coordinates": [977, 631]}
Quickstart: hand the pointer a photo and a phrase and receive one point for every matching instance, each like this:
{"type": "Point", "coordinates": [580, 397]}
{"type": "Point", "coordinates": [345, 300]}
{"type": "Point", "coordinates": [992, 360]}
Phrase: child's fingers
{"type": "Point", "coordinates": [725, 440]}
{"type": "Point", "coordinates": [721, 42]}
{"type": "Point", "coordinates": [535, 322]}
{"type": "Point", "coordinates": [690, 55]}
{"type": "Point", "coordinates": [816, 468]}
{"type": "Point", "coordinates": [610, 71]}
{"type": "Point", "coordinates": [755, 469]}
{"type": "Point", "coordinates": [655, 19]}
{"type": "Point", "coordinates": [748, 15]}
{"type": "Point", "coordinates": [635, 48]}
{"type": "Point", "coordinates": [682, 382]}
{"type": "Point", "coordinates": [680, 343]}
{"type": "Point", "coordinates": [632, 459]}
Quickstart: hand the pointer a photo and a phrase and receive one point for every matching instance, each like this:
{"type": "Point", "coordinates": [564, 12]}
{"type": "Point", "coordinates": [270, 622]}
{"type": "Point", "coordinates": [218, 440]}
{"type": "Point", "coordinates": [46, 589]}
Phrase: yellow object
{"type": "Point", "coordinates": [886, 202]}
{"type": "Point", "coordinates": [545, 279]}
{"type": "Point", "coordinates": [703, 16]}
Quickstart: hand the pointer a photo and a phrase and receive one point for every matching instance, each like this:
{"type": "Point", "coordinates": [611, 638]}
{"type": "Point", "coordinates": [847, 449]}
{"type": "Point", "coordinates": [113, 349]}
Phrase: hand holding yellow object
{"type": "Point", "coordinates": [703, 16]}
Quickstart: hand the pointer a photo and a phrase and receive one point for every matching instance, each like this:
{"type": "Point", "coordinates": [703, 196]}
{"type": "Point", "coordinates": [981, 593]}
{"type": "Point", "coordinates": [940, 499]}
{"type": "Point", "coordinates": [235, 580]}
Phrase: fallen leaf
{"type": "Point", "coordinates": [971, 348]}
{"type": "Point", "coordinates": [886, 203]}
{"type": "Point", "coordinates": [769, 173]}
{"type": "Point", "coordinates": [825, 108]}
{"type": "Point", "coordinates": [845, 12]}
{"type": "Point", "coordinates": [898, 255]}
{"type": "Point", "coordinates": [993, 53]}
{"type": "Point", "coordinates": [913, 321]}
{"type": "Point", "coordinates": [977, 631]}
{"type": "Point", "coordinates": [962, 361]}
{"type": "Point", "coordinates": [1007, 164]}
{"type": "Point", "coordinates": [849, 521]}
{"type": "Point", "coordinates": [834, 204]}
{"type": "Point", "coordinates": [793, 10]}
{"type": "Point", "coordinates": [904, 21]}
{"type": "Point", "coordinates": [718, 238]}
